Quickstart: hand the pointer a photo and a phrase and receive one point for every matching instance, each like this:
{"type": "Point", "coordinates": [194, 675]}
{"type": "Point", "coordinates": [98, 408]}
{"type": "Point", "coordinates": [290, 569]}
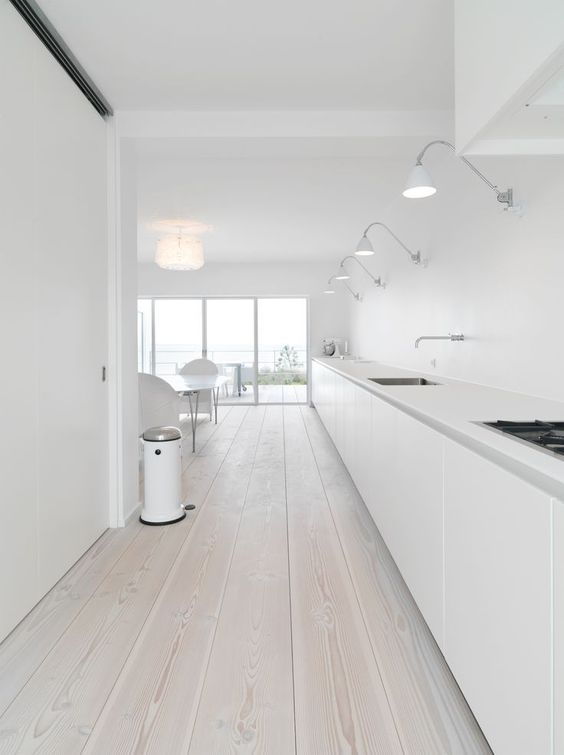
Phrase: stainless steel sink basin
{"type": "Point", "coordinates": [403, 381]}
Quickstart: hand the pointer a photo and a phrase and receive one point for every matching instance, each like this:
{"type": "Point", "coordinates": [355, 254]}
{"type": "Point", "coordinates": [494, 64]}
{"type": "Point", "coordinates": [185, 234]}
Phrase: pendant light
{"type": "Point", "coordinates": [180, 252]}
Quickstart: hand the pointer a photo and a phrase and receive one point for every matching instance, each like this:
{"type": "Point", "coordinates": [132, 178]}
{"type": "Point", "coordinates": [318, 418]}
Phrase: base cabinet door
{"type": "Point", "coordinates": [416, 538]}
{"type": "Point", "coordinates": [361, 448]}
{"type": "Point", "coordinates": [558, 592]}
{"type": "Point", "coordinates": [498, 600]}
{"type": "Point", "coordinates": [406, 502]}
{"type": "Point", "coordinates": [316, 386]}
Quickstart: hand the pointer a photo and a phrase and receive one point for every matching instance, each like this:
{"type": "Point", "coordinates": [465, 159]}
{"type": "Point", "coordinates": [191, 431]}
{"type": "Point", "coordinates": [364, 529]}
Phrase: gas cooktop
{"type": "Point", "coordinates": [546, 435]}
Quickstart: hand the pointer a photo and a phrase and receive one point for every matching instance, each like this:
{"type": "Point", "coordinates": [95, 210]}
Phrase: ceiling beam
{"type": "Point", "coordinates": [284, 124]}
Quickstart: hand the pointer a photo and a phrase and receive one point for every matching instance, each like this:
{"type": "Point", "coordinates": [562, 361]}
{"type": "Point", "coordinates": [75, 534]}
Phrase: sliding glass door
{"type": "Point", "coordinates": [230, 343]}
{"type": "Point", "coordinates": [282, 350]}
{"type": "Point", "coordinates": [259, 344]}
{"type": "Point", "coordinates": [177, 334]}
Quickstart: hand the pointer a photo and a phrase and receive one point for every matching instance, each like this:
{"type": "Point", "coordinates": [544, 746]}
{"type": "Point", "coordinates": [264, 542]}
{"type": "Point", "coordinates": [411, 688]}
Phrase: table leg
{"type": "Point", "coordinates": [215, 393]}
{"type": "Point", "coordinates": [193, 419]}
{"type": "Point", "coordinates": [239, 378]}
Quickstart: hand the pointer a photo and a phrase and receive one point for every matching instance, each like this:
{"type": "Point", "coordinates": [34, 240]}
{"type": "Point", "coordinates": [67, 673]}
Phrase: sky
{"type": "Point", "coordinates": [229, 322]}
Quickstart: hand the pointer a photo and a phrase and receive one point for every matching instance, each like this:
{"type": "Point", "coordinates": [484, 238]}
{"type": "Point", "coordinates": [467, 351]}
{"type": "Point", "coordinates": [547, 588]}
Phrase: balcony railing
{"type": "Point", "coordinates": [171, 361]}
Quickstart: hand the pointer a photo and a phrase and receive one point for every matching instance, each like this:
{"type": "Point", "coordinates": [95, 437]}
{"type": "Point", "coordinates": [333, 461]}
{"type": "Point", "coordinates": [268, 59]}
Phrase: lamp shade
{"type": "Point", "coordinates": [329, 291]}
{"type": "Point", "coordinates": [364, 247]}
{"type": "Point", "coordinates": [180, 253]}
{"type": "Point", "coordinates": [342, 277]}
{"type": "Point", "coordinates": [419, 183]}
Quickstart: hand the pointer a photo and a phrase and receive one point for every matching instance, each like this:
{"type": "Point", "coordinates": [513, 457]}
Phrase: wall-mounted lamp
{"type": "Point", "coordinates": [377, 281]}
{"type": "Point", "coordinates": [364, 247]}
{"type": "Point", "coordinates": [420, 184]}
{"type": "Point", "coordinates": [330, 290]}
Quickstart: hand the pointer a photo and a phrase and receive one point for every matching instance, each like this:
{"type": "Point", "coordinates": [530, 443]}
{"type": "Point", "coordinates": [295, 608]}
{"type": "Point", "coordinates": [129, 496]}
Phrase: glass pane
{"type": "Point", "coordinates": [282, 350]}
{"type": "Point", "coordinates": [230, 344]}
{"type": "Point", "coordinates": [178, 334]}
{"type": "Point", "coordinates": [144, 335]}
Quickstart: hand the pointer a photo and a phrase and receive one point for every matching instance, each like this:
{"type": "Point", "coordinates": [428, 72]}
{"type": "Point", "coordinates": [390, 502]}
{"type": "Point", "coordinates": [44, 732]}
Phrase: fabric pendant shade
{"type": "Point", "coordinates": [180, 253]}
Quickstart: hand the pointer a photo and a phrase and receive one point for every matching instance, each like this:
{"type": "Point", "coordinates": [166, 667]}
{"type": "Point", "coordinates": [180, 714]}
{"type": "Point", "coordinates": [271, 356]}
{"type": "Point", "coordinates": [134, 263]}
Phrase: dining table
{"type": "Point", "coordinates": [191, 386]}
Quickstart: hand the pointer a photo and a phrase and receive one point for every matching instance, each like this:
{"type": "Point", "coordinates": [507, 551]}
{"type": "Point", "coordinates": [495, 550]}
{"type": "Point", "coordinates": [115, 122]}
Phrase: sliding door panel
{"type": "Point", "coordinates": [230, 344]}
{"type": "Point", "coordinates": [282, 350]}
{"type": "Point", "coordinates": [178, 334]}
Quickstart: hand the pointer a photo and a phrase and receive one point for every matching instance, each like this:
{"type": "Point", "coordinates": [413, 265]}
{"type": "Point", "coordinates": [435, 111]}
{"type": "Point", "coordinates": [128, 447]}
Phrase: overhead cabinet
{"type": "Point", "coordinates": [509, 87]}
{"type": "Point", "coordinates": [474, 545]}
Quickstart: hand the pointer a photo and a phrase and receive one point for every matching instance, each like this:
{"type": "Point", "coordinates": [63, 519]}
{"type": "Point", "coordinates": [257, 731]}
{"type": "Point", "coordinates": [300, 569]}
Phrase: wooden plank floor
{"type": "Point", "coordinates": [271, 620]}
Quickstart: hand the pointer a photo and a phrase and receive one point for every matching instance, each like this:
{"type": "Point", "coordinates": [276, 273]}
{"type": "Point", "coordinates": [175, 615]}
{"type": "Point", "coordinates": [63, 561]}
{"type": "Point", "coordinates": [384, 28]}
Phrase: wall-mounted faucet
{"type": "Point", "coordinates": [450, 337]}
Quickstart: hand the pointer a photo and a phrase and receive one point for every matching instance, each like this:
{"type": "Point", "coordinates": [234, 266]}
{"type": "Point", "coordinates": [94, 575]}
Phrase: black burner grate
{"type": "Point", "coordinates": [547, 435]}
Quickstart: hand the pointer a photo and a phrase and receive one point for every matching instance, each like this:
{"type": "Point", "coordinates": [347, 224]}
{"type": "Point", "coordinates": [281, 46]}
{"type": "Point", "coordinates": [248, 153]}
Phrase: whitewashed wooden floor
{"type": "Point", "coordinates": [268, 394]}
{"type": "Point", "coordinates": [272, 620]}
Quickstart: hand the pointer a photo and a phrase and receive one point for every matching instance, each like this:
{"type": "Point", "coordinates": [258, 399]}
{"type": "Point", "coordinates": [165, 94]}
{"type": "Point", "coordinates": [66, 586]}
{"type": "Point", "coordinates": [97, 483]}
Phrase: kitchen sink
{"type": "Point", "coordinates": [403, 381]}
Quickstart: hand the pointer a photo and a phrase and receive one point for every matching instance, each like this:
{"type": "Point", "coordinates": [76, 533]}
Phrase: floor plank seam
{"type": "Point", "coordinates": [289, 580]}
{"type": "Point", "coordinates": [227, 578]}
{"type": "Point", "coordinates": [74, 619]}
{"type": "Point", "coordinates": [187, 440]}
{"type": "Point", "coordinates": [169, 577]}
{"type": "Point", "coordinates": [352, 581]}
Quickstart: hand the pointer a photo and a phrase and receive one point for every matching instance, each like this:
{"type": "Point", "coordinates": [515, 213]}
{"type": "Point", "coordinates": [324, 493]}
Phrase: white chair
{"type": "Point", "coordinates": [201, 367]}
{"type": "Point", "coordinates": [225, 371]}
{"type": "Point", "coordinates": [159, 403]}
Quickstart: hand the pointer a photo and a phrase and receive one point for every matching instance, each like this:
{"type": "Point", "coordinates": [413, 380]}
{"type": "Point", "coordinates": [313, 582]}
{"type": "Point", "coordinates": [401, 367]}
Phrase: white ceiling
{"type": "Point", "coordinates": [256, 54]}
{"type": "Point", "coordinates": [268, 200]}
{"type": "Point", "coordinates": [288, 127]}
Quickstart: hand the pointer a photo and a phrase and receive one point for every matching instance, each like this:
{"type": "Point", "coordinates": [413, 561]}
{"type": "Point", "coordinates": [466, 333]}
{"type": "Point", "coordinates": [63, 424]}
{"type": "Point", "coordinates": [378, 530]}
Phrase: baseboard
{"type": "Point", "coordinates": [133, 514]}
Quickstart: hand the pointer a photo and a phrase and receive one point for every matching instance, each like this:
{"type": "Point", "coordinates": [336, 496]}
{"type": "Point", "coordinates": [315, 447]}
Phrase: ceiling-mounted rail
{"type": "Point", "coordinates": [44, 29]}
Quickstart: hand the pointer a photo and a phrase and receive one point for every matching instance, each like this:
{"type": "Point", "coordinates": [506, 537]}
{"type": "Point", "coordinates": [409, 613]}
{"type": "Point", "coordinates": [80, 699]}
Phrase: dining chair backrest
{"type": "Point", "coordinates": [159, 404]}
{"type": "Point", "coordinates": [200, 367]}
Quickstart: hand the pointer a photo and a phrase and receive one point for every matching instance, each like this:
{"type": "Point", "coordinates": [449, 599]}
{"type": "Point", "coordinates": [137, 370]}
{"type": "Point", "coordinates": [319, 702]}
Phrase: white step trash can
{"type": "Point", "coordinates": [162, 451]}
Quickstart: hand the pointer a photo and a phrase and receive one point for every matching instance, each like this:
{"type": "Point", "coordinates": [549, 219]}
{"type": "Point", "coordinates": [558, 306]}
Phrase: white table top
{"type": "Point", "coordinates": [184, 383]}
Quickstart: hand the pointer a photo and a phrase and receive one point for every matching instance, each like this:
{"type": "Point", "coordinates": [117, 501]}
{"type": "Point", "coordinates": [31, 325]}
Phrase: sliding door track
{"type": "Point", "coordinates": [44, 29]}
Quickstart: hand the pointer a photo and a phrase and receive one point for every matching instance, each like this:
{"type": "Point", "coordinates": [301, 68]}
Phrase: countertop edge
{"type": "Point", "coordinates": [535, 477]}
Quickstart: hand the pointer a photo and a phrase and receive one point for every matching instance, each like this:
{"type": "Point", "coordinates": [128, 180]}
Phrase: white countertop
{"type": "Point", "coordinates": [454, 407]}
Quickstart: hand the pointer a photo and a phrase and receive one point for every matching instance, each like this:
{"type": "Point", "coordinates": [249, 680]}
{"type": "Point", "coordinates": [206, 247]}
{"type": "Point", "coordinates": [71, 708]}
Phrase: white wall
{"type": "Point", "coordinates": [128, 494]}
{"type": "Point", "coordinates": [498, 47]}
{"type": "Point", "coordinates": [53, 321]}
{"type": "Point", "coordinates": [495, 277]}
{"type": "Point", "coordinates": [328, 314]}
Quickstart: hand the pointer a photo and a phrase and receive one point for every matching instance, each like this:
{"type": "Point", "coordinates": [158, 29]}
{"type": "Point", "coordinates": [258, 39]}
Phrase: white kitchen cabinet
{"type": "Point", "coordinates": [339, 412]}
{"type": "Point", "coordinates": [498, 600]}
{"type": "Point", "coordinates": [349, 391]}
{"type": "Point", "coordinates": [396, 463]}
{"type": "Point", "coordinates": [382, 464]}
{"type": "Point", "coordinates": [408, 501]}
{"type": "Point", "coordinates": [316, 390]}
{"type": "Point", "coordinates": [480, 550]}
{"type": "Point", "coordinates": [558, 633]}
{"type": "Point", "coordinates": [361, 442]}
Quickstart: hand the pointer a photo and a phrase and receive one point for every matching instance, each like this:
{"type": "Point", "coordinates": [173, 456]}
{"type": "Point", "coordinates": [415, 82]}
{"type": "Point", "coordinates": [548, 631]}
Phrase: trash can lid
{"type": "Point", "coordinates": [162, 433]}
